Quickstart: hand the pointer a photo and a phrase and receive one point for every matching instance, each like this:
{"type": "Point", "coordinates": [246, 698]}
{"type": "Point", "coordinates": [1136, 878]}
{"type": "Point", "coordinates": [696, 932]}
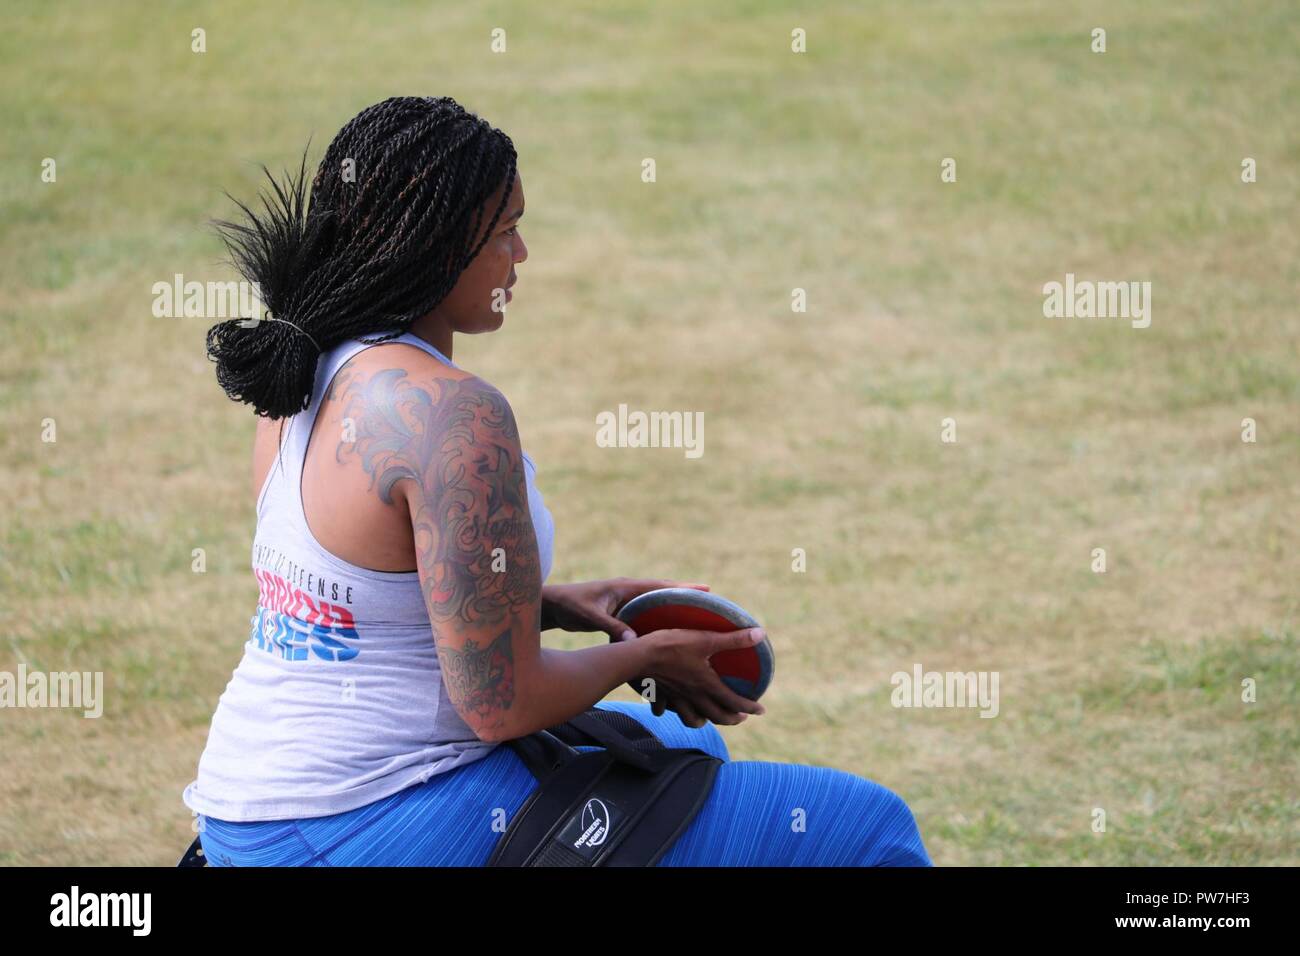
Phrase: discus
{"type": "Point", "coordinates": [746, 670]}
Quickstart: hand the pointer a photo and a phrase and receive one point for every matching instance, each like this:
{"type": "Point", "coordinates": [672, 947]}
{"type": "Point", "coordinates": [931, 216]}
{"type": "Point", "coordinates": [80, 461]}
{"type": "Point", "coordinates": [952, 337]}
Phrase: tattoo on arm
{"type": "Point", "coordinates": [482, 679]}
{"type": "Point", "coordinates": [458, 443]}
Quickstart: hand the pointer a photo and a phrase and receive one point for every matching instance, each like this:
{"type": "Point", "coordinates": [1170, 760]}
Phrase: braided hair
{"type": "Point", "coordinates": [384, 241]}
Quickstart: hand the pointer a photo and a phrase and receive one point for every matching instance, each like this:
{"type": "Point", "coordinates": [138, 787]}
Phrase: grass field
{"type": "Point", "coordinates": [775, 170]}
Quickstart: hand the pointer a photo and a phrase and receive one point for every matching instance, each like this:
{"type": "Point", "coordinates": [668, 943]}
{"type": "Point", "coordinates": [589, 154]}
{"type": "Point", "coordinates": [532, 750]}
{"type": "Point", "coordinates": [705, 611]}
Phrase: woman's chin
{"type": "Point", "coordinates": [489, 322]}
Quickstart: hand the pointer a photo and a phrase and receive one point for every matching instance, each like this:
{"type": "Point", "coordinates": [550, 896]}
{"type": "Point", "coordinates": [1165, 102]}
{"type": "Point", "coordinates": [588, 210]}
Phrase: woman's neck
{"type": "Point", "coordinates": [436, 333]}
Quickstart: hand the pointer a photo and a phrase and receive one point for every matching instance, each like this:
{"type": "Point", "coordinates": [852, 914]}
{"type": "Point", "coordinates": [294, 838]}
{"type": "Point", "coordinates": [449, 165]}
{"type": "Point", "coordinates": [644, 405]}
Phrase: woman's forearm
{"type": "Point", "coordinates": [548, 612]}
{"type": "Point", "coordinates": [568, 682]}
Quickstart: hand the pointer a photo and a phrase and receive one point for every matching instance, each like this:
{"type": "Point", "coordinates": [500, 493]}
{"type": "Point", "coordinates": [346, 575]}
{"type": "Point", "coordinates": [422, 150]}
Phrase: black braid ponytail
{"type": "Point", "coordinates": [376, 251]}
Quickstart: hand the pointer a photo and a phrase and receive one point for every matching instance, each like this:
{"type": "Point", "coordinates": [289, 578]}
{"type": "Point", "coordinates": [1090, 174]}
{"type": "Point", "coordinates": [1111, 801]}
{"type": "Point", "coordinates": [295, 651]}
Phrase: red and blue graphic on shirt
{"type": "Point", "coordinates": [291, 624]}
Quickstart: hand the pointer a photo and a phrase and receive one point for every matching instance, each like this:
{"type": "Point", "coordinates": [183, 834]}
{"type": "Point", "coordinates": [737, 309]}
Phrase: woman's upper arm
{"type": "Point", "coordinates": [462, 475]}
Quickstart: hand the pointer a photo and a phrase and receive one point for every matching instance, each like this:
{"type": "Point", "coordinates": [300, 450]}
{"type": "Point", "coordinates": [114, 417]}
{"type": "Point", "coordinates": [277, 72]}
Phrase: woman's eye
{"type": "Point", "coordinates": [511, 231]}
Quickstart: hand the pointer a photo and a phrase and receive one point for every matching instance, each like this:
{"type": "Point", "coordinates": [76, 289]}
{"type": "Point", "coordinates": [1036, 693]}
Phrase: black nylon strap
{"type": "Point", "coordinates": [542, 753]}
{"type": "Point", "coordinates": [617, 744]}
{"type": "Point", "coordinates": [640, 736]}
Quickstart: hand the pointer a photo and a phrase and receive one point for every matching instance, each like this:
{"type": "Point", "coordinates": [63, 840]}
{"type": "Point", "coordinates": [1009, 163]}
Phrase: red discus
{"type": "Point", "coordinates": [747, 670]}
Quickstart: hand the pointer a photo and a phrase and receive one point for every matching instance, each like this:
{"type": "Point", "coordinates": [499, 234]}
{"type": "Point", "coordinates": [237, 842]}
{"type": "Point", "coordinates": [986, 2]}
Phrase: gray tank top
{"type": "Point", "coordinates": [338, 699]}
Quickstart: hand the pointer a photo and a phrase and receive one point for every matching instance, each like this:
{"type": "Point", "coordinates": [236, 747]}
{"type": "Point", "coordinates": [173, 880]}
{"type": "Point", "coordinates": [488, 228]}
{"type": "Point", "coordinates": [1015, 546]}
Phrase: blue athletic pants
{"type": "Point", "coordinates": [757, 814]}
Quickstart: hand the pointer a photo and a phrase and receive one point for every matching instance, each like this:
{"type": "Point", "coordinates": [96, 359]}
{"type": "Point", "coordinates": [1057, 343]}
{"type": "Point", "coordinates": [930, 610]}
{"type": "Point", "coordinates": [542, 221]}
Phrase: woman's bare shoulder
{"type": "Point", "coordinates": [397, 366]}
{"type": "Point", "coordinates": [401, 357]}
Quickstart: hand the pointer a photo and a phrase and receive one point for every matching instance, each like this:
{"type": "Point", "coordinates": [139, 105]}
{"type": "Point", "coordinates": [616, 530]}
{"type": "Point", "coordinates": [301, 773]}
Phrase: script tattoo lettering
{"type": "Point", "coordinates": [482, 679]}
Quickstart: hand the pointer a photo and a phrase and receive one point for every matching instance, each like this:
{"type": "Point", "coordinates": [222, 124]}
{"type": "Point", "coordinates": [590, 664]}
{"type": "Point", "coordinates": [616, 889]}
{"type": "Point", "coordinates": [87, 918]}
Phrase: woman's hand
{"type": "Point", "coordinates": [684, 680]}
{"type": "Point", "coordinates": [590, 605]}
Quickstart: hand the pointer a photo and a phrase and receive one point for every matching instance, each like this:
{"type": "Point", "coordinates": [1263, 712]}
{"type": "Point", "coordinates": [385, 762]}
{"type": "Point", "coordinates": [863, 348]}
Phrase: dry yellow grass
{"type": "Point", "coordinates": [1119, 691]}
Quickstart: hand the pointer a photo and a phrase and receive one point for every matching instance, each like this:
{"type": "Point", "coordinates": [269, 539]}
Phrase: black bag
{"type": "Point", "coordinates": [620, 806]}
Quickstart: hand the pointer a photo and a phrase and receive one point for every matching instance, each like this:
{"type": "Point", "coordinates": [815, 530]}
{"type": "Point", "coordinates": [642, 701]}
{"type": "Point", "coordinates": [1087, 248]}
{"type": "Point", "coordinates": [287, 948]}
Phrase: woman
{"type": "Point", "coordinates": [402, 546]}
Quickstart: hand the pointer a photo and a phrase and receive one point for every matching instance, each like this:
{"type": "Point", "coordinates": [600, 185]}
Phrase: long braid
{"type": "Point", "coordinates": [370, 256]}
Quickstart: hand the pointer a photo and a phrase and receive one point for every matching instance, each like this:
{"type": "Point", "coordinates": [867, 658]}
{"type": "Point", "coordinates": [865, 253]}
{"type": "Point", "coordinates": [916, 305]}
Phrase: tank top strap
{"type": "Point", "coordinates": [298, 432]}
{"type": "Point", "coordinates": [411, 339]}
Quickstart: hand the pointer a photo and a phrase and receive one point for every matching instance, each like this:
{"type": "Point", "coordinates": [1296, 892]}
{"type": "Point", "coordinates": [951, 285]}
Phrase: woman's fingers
{"type": "Point", "coordinates": [657, 705]}
{"type": "Point", "coordinates": [715, 702]}
{"type": "Point", "coordinates": [634, 586]}
{"type": "Point", "coordinates": [687, 653]}
{"type": "Point", "coordinates": [711, 709]}
{"type": "Point", "coordinates": [616, 629]}
{"type": "Point", "coordinates": [734, 703]}
{"type": "Point", "coordinates": [624, 590]}
{"type": "Point", "coordinates": [671, 698]}
{"type": "Point", "coordinates": [734, 640]}
{"type": "Point", "coordinates": [723, 695]}
{"type": "Point", "coordinates": [687, 713]}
